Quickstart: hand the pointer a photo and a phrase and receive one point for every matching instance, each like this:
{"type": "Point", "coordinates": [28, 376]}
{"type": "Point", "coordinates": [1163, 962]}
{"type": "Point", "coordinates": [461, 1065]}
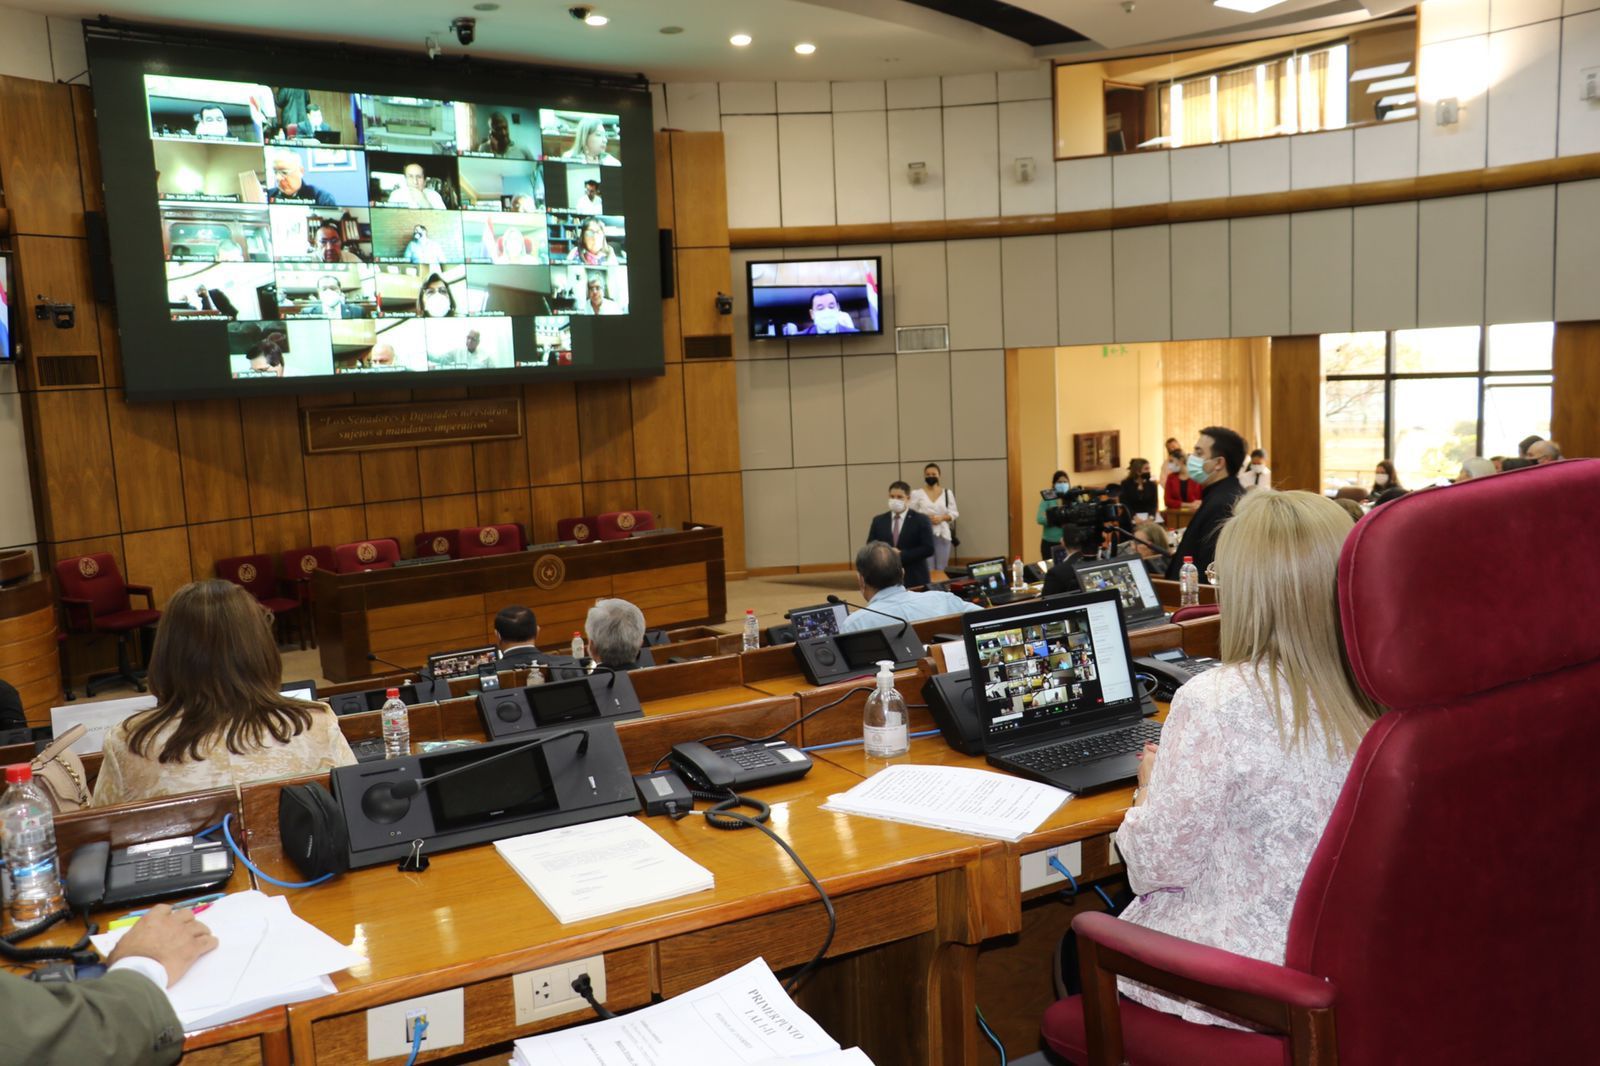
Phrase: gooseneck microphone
{"type": "Point", "coordinates": [388, 801]}
{"type": "Point", "coordinates": [838, 601]}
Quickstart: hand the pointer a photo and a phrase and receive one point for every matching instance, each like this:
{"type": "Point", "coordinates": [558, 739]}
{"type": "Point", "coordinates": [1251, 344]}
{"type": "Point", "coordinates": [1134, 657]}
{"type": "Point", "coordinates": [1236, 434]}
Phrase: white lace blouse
{"type": "Point", "coordinates": [1217, 850]}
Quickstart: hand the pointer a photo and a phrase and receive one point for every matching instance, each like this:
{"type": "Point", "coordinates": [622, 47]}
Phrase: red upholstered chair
{"type": "Point", "coordinates": [96, 600]}
{"type": "Point", "coordinates": [444, 543]}
{"type": "Point", "coordinates": [1403, 946]}
{"type": "Point", "coordinates": [380, 553]}
{"type": "Point", "coordinates": [1199, 610]}
{"type": "Point", "coordinates": [620, 525]}
{"type": "Point", "coordinates": [298, 565]}
{"type": "Point", "coordinates": [254, 574]}
{"type": "Point", "coordinates": [582, 529]}
{"type": "Point", "coordinates": [503, 539]}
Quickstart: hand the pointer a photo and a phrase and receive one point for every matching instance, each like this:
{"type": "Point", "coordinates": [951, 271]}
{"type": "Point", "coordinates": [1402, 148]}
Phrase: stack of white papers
{"type": "Point", "coordinates": [265, 957]}
{"type": "Point", "coordinates": [961, 798]}
{"type": "Point", "coordinates": [742, 1019]}
{"type": "Point", "coordinates": [583, 871]}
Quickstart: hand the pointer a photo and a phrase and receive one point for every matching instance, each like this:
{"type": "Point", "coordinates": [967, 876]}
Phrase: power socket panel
{"type": "Point", "coordinates": [547, 992]}
{"type": "Point", "coordinates": [1038, 873]}
{"type": "Point", "coordinates": [389, 1027]}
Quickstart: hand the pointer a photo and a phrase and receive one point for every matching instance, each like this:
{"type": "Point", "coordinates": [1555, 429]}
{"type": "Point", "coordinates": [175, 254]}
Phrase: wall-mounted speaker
{"type": "Point", "coordinates": [94, 229]}
{"type": "Point", "coordinates": [669, 274]}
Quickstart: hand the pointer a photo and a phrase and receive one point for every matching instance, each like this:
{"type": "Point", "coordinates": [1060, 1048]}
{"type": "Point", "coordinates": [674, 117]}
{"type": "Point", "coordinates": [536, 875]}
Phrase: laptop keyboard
{"type": "Point", "coordinates": [1088, 749]}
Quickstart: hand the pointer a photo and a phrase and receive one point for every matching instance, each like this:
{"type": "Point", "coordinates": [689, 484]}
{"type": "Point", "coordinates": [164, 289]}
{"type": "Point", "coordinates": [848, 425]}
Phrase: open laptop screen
{"type": "Point", "coordinates": [465, 663]}
{"type": "Point", "coordinates": [1041, 665]}
{"type": "Point", "coordinates": [300, 690]}
{"type": "Point", "coordinates": [990, 574]}
{"type": "Point", "coordinates": [823, 621]}
{"type": "Point", "coordinates": [1128, 577]}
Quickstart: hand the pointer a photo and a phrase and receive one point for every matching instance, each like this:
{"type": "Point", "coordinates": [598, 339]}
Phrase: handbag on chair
{"type": "Point", "coordinates": [59, 772]}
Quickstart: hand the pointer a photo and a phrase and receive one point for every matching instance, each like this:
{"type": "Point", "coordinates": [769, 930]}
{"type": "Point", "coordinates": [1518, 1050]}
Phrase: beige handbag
{"type": "Point", "coordinates": [60, 772]}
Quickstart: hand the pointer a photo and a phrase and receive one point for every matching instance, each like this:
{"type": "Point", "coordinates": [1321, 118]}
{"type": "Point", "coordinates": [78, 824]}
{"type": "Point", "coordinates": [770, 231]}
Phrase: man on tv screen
{"type": "Point", "coordinates": [826, 317]}
{"type": "Point", "coordinates": [288, 182]}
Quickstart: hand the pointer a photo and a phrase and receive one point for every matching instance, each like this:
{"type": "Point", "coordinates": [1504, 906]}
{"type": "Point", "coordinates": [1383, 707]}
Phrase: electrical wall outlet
{"type": "Point", "coordinates": [390, 1027]}
{"type": "Point", "coordinates": [1038, 873]}
{"type": "Point", "coordinates": [547, 992]}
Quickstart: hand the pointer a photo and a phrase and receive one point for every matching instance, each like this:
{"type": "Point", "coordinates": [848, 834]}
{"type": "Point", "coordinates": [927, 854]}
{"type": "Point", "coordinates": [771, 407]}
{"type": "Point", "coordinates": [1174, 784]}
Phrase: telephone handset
{"type": "Point", "coordinates": [1171, 669]}
{"type": "Point", "coordinates": [753, 765]}
{"type": "Point", "coordinates": [99, 876]}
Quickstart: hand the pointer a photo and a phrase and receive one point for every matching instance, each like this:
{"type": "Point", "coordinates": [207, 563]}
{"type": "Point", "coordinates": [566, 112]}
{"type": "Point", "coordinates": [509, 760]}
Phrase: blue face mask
{"type": "Point", "coordinates": [1062, 487]}
{"type": "Point", "coordinates": [1197, 469]}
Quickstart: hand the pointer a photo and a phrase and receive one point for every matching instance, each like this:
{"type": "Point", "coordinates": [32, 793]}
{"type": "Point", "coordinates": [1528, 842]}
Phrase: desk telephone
{"type": "Point", "coordinates": [753, 765]}
{"type": "Point", "coordinates": [99, 876]}
{"type": "Point", "coordinates": [1171, 669]}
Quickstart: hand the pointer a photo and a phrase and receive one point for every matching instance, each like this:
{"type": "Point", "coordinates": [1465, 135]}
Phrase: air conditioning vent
{"type": "Point", "coordinates": [715, 347]}
{"type": "Point", "coordinates": [922, 339]}
{"type": "Point", "coordinates": [65, 371]}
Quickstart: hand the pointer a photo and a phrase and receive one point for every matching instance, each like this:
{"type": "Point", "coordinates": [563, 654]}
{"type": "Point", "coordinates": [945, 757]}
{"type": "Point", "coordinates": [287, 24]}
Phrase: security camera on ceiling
{"type": "Point", "coordinates": [466, 29]}
{"type": "Point", "coordinates": [581, 12]}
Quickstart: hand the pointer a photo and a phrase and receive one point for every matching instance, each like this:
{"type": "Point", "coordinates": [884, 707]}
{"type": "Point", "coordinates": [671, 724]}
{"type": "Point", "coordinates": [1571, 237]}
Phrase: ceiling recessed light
{"type": "Point", "coordinates": [1249, 7]}
{"type": "Point", "coordinates": [486, 7]}
{"type": "Point", "coordinates": [805, 48]}
{"type": "Point", "coordinates": [1388, 70]}
{"type": "Point", "coordinates": [739, 40]}
{"type": "Point", "coordinates": [671, 30]}
{"type": "Point", "coordinates": [593, 19]}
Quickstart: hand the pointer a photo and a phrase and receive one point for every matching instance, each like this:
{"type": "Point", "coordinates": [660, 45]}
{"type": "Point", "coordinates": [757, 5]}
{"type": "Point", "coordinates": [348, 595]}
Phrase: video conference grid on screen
{"type": "Point", "coordinates": [813, 297]}
{"type": "Point", "coordinates": [1050, 664]}
{"type": "Point", "coordinates": [342, 233]}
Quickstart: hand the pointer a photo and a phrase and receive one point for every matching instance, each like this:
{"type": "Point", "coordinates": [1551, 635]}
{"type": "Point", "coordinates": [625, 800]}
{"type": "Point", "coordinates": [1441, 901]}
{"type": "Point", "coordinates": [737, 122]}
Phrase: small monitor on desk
{"type": "Point", "coordinates": [299, 690]}
{"type": "Point", "coordinates": [823, 621]}
{"type": "Point", "coordinates": [990, 575]}
{"type": "Point", "coordinates": [449, 664]}
{"type": "Point", "coordinates": [1128, 577]}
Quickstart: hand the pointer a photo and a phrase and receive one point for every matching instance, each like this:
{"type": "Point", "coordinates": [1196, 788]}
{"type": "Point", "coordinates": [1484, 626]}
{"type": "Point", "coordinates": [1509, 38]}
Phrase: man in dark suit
{"type": "Point", "coordinates": [907, 531]}
{"type": "Point", "coordinates": [1214, 466]}
{"type": "Point", "coordinates": [516, 630]}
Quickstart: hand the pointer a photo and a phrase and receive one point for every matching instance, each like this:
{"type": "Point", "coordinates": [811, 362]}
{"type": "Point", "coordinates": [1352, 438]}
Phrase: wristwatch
{"type": "Point", "coordinates": [1138, 794]}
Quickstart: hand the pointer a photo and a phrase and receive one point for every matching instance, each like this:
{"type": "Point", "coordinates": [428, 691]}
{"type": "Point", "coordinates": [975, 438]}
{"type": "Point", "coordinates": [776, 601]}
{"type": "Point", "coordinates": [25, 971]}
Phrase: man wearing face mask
{"type": "Point", "coordinates": [1257, 475]}
{"type": "Point", "coordinates": [826, 317]}
{"type": "Point", "coordinates": [330, 300]}
{"type": "Point", "coordinates": [910, 533]}
{"type": "Point", "coordinates": [1218, 457]}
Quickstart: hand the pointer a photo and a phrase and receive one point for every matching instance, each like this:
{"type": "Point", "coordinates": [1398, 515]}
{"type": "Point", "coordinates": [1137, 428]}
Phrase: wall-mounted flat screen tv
{"type": "Point", "coordinates": [796, 298]}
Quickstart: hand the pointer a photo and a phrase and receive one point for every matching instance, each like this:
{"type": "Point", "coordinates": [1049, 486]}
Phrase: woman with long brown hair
{"type": "Point", "coordinates": [219, 718]}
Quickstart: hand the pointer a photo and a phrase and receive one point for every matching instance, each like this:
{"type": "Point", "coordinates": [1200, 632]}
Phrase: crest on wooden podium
{"type": "Point", "coordinates": [549, 571]}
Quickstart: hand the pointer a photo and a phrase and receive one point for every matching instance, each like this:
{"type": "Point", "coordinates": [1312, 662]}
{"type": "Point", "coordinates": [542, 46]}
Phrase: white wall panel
{"type": "Point", "coordinates": [1083, 184]}
{"type": "Point", "coordinates": [1450, 249]}
{"type": "Point", "coordinates": [920, 284]}
{"type": "Point", "coordinates": [822, 516]}
{"type": "Point", "coordinates": [978, 407]}
{"type": "Point", "coordinates": [1199, 173]}
{"type": "Point", "coordinates": [1577, 237]}
{"type": "Point", "coordinates": [913, 92]}
{"type": "Point", "coordinates": [1027, 130]}
{"type": "Point", "coordinates": [861, 166]}
{"type": "Point", "coordinates": [1579, 129]}
{"type": "Point", "coordinates": [692, 105]}
{"type": "Point", "coordinates": [871, 424]}
{"type": "Point", "coordinates": [1031, 84]}
{"type": "Point", "coordinates": [971, 161]}
{"type": "Point", "coordinates": [867, 488]}
{"type": "Point", "coordinates": [1142, 280]}
{"type": "Point", "coordinates": [805, 169]}
{"type": "Point", "coordinates": [1258, 273]}
{"type": "Point", "coordinates": [1503, 14]}
{"type": "Point", "coordinates": [763, 392]}
{"type": "Point", "coordinates": [925, 430]}
{"type": "Point", "coordinates": [1200, 280]}
{"type": "Point", "coordinates": [1319, 159]}
{"type": "Point", "coordinates": [975, 301]}
{"type": "Point", "coordinates": [816, 398]}
{"type": "Point", "coordinates": [1573, 7]}
{"type": "Point", "coordinates": [1259, 166]}
{"type": "Point", "coordinates": [960, 89]}
{"type": "Point", "coordinates": [916, 137]}
{"type": "Point", "coordinates": [803, 96]}
{"type": "Point", "coordinates": [1028, 291]}
{"type": "Point", "coordinates": [858, 96]}
{"type": "Point", "coordinates": [1385, 267]}
{"type": "Point", "coordinates": [771, 518]}
{"type": "Point", "coordinates": [658, 106]}
{"type": "Point", "coordinates": [980, 488]}
{"type": "Point", "coordinates": [1446, 20]}
{"type": "Point", "coordinates": [747, 97]}
{"type": "Point", "coordinates": [1458, 69]}
{"type": "Point", "coordinates": [67, 55]}
{"type": "Point", "coordinates": [1144, 178]}
{"type": "Point", "coordinates": [1320, 252]}
{"type": "Point", "coordinates": [1519, 268]}
{"type": "Point", "coordinates": [1386, 152]}
{"type": "Point", "coordinates": [1522, 93]}
{"type": "Point", "coordinates": [750, 152]}
{"type": "Point", "coordinates": [25, 46]}
{"type": "Point", "coordinates": [1084, 292]}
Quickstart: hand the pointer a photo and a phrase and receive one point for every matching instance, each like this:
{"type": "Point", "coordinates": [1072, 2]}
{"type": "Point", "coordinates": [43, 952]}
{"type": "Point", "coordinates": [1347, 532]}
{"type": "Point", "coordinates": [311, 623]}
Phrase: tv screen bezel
{"type": "Point", "coordinates": [750, 299]}
{"type": "Point", "coordinates": [11, 352]}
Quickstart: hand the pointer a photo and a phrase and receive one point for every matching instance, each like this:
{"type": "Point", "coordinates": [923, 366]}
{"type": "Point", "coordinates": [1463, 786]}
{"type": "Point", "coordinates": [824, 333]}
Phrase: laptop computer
{"type": "Point", "coordinates": [300, 690]}
{"type": "Point", "coordinates": [993, 580]}
{"type": "Point", "coordinates": [1054, 687]}
{"type": "Point", "coordinates": [1141, 608]}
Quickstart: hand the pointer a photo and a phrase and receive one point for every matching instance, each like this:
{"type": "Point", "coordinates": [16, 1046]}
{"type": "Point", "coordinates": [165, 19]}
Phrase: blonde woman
{"type": "Point", "coordinates": [1151, 542]}
{"type": "Point", "coordinates": [939, 504]}
{"type": "Point", "coordinates": [1254, 753]}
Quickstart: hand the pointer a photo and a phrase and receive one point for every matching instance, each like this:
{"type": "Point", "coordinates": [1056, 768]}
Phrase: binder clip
{"type": "Point", "coordinates": [415, 862]}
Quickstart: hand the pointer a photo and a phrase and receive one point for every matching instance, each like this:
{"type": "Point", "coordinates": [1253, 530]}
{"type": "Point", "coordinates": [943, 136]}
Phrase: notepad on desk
{"type": "Point", "coordinates": [584, 871]}
{"type": "Point", "coordinates": [958, 798]}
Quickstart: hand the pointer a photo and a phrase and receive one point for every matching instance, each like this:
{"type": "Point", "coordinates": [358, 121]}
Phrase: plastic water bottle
{"type": "Point", "coordinates": [1016, 573]}
{"type": "Point", "coordinates": [577, 645]}
{"type": "Point", "coordinates": [1188, 583]}
{"type": "Point", "coordinates": [752, 631]}
{"type": "Point", "coordinates": [396, 726]}
{"type": "Point", "coordinates": [883, 720]}
{"type": "Point", "coordinates": [28, 825]}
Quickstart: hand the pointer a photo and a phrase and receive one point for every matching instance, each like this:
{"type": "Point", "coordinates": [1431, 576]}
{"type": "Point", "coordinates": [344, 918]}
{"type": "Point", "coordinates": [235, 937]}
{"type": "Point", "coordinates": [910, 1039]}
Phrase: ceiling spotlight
{"type": "Point", "coordinates": [1249, 7]}
{"type": "Point", "coordinates": [739, 40]}
{"type": "Point", "coordinates": [595, 20]}
{"type": "Point", "coordinates": [486, 7]}
{"type": "Point", "coordinates": [671, 31]}
{"type": "Point", "coordinates": [804, 48]}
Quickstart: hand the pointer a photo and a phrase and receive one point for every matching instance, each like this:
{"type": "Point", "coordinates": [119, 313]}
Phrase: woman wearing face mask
{"type": "Point", "coordinates": [1182, 492]}
{"type": "Point", "coordinates": [1385, 483]}
{"type": "Point", "coordinates": [1139, 490]}
{"type": "Point", "coordinates": [1175, 454]}
{"type": "Point", "coordinates": [1051, 535]}
{"type": "Point", "coordinates": [939, 504]}
{"type": "Point", "coordinates": [434, 299]}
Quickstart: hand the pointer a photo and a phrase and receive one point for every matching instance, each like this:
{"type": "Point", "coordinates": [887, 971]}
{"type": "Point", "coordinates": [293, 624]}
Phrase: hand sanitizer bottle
{"type": "Point", "coordinates": [883, 722]}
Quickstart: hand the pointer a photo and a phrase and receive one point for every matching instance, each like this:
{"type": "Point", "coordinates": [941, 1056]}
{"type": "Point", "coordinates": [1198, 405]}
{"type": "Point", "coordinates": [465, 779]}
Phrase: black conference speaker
{"type": "Point", "coordinates": [94, 228]}
{"type": "Point", "coordinates": [949, 698]}
{"type": "Point", "coordinates": [669, 276]}
{"type": "Point", "coordinates": [822, 660]}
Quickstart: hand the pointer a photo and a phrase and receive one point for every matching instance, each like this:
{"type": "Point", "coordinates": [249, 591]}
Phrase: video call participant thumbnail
{"type": "Point", "coordinates": [506, 239]}
{"type": "Point", "coordinates": [470, 344]}
{"type": "Point", "coordinates": [224, 173]}
{"type": "Point", "coordinates": [425, 183]}
{"type": "Point", "coordinates": [312, 115]}
{"type": "Point", "coordinates": [496, 130]}
{"type": "Point", "coordinates": [288, 180]}
{"type": "Point", "coordinates": [500, 185]}
{"type": "Point", "coordinates": [406, 124]}
{"type": "Point", "coordinates": [229, 290]}
{"type": "Point", "coordinates": [509, 290]}
{"type": "Point", "coordinates": [403, 235]}
{"type": "Point", "coordinates": [206, 109]}
{"type": "Point", "coordinates": [597, 242]}
{"type": "Point", "coordinates": [216, 233]}
{"type": "Point", "coordinates": [581, 136]}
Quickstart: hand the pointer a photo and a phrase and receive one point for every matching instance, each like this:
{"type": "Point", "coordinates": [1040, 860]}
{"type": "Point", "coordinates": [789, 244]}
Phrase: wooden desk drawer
{"type": "Point", "coordinates": [246, 1052]}
{"type": "Point", "coordinates": [790, 937]}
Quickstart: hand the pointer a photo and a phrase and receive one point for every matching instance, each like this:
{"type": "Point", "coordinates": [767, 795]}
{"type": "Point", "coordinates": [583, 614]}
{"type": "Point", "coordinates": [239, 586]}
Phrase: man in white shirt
{"type": "Point", "coordinates": [595, 301]}
{"type": "Point", "coordinates": [589, 202]}
{"type": "Point", "coordinates": [881, 580]}
{"type": "Point", "coordinates": [1256, 475]}
{"type": "Point", "coordinates": [415, 192]}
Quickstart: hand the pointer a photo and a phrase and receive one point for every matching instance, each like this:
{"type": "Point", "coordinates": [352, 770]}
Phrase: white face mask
{"type": "Point", "coordinates": [896, 506]}
{"type": "Point", "coordinates": [331, 298]}
{"type": "Point", "coordinates": [437, 304]}
{"type": "Point", "coordinates": [827, 319]}
{"type": "Point", "coordinates": [1258, 467]}
{"type": "Point", "coordinates": [1380, 479]}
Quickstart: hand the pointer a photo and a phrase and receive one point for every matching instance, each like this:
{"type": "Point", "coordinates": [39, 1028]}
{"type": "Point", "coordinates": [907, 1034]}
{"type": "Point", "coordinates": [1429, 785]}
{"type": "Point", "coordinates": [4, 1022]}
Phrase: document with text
{"type": "Point", "coordinates": [959, 798]}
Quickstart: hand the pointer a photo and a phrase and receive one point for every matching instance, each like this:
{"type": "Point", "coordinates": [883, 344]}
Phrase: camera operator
{"type": "Point", "coordinates": [1051, 535]}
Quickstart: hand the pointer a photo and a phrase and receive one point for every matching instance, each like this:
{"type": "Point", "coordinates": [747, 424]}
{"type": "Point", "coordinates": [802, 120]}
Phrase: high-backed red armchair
{"type": "Point", "coordinates": [378, 554]}
{"type": "Point", "coordinates": [254, 574]}
{"type": "Point", "coordinates": [95, 599]}
{"type": "Point", "coordinates": [503, 539]}
{"type": "Point", "coordinates": [439, 543]}
{"type": "Point", "coordinates": [581, 529]}
{"type": "Point", "coordinates": [298, 566]}
{"type": "Point", "coordinates": [1405, 945]}
{"type": "Point", "coordinates": [620, 525]}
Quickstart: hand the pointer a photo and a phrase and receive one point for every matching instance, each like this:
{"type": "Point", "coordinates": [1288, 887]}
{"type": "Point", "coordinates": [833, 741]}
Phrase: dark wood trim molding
{"type": "Point", "coordinates": [1429, 187]}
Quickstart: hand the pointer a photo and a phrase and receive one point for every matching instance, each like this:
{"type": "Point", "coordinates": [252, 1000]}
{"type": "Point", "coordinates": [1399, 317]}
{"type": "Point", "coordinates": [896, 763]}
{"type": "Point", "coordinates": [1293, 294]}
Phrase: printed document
{"type": "Point", "coordinates": [960, 798]}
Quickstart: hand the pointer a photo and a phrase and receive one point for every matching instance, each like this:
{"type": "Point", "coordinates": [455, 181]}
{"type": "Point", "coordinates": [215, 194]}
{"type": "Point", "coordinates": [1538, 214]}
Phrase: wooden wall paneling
{"type": "Point", "coordinates": [1297, 413]}
{"type": "Point", "coordinates": [718, 499]}
{"type": "Point", "coordinates": [665, 497]}
{"type": "Point", "coordinates": [664, 192]}
{"type": "Point", "coordinates": [500, 464]}
{"type": "Point", "coordinates": [449, 512]}
{"type": "Point", "coordinates": [279, 532]}
{"type": "Point", "coordinates": [334, 479]}
{"type": "Point", "coordinates": [159, 558]}
{"type": "Point", "coordinates": [710, 408]}
{"type": "Point", "coordinates": [390, 474]}
{"type": "Point", "coordinates": [39, 161]}
{"type": "Point", "coordinates": [605, 430]}
{"type": "Point", "coordinates": [660, 444]}
{"type": "Point", "coordinates": [550, 415]}
{"type": "Point", "coordinates": [211, 541]}
{"type": "Point", "coordinates": [1575, 405]}
{"type": "Point", "coordinates": [88, 145]}
{"type": "Point", "coordinates": [337, 525]}
{"type": "Point", "coordinates": [700, 213]}
{"type": "Point", "coordinates": [57, 268]}
{"type": "Point", "coordinates": [600, 497]}
{"type": "Point", "coordinates": [551, 503]}
{"type": "Point", "coordinates": [505, 505]}
{"type": "Point", "coordinates": [144, 446]}
{"type": "Point", "coordinates": [274, 468]}
{"type": "Point", "coordinates": [702, 273]}
{"type": "Point", "coordinates": [74, 476]}
{"type": "Point", "coordinates": [400, 519]}
{"type": "Point", "coordinates": [671, 319]}
{"type": "Point", "coordinates": [212, 449]}
{"type": "Point", "coordinates": [444, 470]}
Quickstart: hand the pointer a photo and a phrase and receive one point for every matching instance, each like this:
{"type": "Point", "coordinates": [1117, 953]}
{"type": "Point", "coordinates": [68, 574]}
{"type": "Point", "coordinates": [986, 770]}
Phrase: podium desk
{"type": "Point", "coordinates": [404, 614]}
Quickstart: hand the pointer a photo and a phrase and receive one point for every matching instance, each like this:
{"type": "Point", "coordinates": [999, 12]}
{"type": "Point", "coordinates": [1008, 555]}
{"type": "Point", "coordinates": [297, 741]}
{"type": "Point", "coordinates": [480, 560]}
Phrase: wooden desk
{"type": "Point", "coordinates": [406, 613]}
